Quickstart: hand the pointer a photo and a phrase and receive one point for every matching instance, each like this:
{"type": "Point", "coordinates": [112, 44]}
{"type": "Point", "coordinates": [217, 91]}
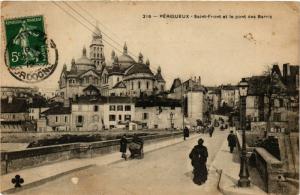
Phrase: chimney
{"type": "Point", "coordinates": [10, 99]}
{"type": "Point", "coordinates": [199, 80]}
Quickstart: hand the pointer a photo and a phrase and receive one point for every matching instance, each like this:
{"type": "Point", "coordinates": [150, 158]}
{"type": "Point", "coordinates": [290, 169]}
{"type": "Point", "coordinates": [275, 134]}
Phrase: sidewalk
{"type": "Point", "coordinates": [42, 174]}
{"type": "Point", "coordinates": [228, 165]}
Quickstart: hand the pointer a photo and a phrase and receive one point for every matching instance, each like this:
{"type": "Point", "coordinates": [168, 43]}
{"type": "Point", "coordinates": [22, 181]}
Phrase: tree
{"type": "Point", "coordinates": [273, 87]}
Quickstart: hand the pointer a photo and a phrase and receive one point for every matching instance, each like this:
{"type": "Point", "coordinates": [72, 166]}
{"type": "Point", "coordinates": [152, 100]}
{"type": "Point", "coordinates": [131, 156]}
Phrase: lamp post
{"type": "Point", "coordinates": [244, 174]}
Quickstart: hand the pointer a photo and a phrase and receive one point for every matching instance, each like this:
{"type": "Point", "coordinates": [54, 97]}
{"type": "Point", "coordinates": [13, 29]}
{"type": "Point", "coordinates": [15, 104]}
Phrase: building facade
{"type": "Point", "coordinates": [159, 114]}
{"type": "Point", "coordinates": [119, 76]}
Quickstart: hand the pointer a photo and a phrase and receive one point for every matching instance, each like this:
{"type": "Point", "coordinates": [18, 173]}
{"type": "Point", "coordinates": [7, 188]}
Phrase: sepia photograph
{"type": "Point", "coordinates": [149, 97]}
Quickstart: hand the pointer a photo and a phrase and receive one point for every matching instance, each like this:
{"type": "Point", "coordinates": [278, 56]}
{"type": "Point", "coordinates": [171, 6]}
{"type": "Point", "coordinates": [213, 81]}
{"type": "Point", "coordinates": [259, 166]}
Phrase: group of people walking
{"type": "Point", "coordinates": [198, 155]}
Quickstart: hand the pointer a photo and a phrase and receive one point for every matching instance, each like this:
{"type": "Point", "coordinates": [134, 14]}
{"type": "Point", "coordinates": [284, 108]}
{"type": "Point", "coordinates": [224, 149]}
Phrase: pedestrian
{"type": "Point", "coordinates": [186, 132]}
{"type": "Point", "coordinates": [231, 141]}
{"type": "Point", "coordinates": [123, 146]}
{"type": "Point", "coordinates": [211, 130]}
{"type": "Point", "coordinates": [199, 156]}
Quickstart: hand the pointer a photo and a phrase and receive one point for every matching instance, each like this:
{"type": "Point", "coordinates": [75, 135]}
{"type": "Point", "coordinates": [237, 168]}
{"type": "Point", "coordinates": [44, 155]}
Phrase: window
{"type": "Point", "coordinates": [155, 126]}
{"type": "Point", "coordinates": [281, 102]}
{"type": "Point", "coordinates": [139, 84]}
{"type": "Point", "coordinates": [120, 107]}
{"type": "Point", "coordinates": [127, 117]}
{"type": "Point", "coordinates": [56, 119]}
{"type": "Point", "coordinates": [66, 119]}
{"type": "Point", "coordinates": [162, 87]}
{"type": "Point", "coordinates": [120, 117]}
{"type": "Point", "coordinates": [95, 108]}
{"type": "Point", "coordinates": [172, 107]}
{"type": "Point", "coordinates": [112, 117]}
{"type": "Point", "coordinates": [147, 85]}
{"type": "Point", "coordinates": [118, 79]}
{"type": "Point", "coordinates": [145, 116]}
{"type": "Point", "coordinates": [79, 119]}
{"type": "Point", "coordinates": [127, 108]}
{"type": "Point", "coordinates": [132, 85]}
{"type": "Point", "coordinates": [277, 117]}
{"type": "Point", "coordinates": [112, 107]}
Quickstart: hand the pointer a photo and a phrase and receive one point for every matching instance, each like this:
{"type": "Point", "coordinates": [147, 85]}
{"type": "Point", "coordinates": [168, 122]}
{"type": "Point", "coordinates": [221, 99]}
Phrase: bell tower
{"type": "Point", "coordinates": [96, 49]}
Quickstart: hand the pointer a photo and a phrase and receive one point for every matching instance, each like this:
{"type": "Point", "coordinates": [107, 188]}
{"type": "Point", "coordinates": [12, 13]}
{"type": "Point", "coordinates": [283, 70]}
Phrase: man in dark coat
{"type": "Point", "coordinates": [199, 156]}
{"type": "Point", "coordinates": [123, 146]}
{"type": "Point", "coordinates": [186, 133]}
{"type": "Point", "coordinates": [231, 141]}
{"type": "Point", "coordinates": [211, 130]}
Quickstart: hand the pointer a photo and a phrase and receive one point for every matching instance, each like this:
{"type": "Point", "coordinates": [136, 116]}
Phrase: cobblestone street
{"type": "Point", "coordinates": [164, 171]}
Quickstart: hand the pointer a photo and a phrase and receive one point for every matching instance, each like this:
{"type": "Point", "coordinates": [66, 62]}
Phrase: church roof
{"type": "Point", "coordinates": [120, 84]}
{"type": "Point", "coordinates": [84, 61]}
{"type": "Point", "coordinates": [138, 68]}
{"type": "Point", "coordinates": [126, 60]}
{"type": "Point", "coordinates": [91, 88]}
{"type": "Point", "coordinates": [115, 69]}
{"type": "Point", "coordinates": [159, 77]}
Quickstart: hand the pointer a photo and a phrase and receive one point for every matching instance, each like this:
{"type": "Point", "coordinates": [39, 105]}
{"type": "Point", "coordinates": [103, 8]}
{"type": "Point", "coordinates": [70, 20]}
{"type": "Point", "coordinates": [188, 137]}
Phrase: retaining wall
{"type": "Point", "coordinates": [32, 157]}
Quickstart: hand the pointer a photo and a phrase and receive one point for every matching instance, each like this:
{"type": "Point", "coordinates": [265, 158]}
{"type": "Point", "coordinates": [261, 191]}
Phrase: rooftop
{"type": "Point", "coordinates": [57, 110]}
{"type": "Point", "coordinates": [17, 105]}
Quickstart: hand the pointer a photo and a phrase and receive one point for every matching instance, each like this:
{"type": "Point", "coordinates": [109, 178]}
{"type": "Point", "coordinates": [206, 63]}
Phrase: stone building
{"type": "Point", "coordinates": [229, 95]}
{"type": "Point", "coordinates": [283, 112]}
{"type": "Point", "coordinates": [14, 111]}
{"type": "Point", "coordinates": [95, 113]}
{"type": "Point", "coordinates": [156, 113]}
{"type": "Point", "coordinates": [119, 76]}
{"type": "Point", "coordinates": [193, 97]}
{"type": "Point", "coordinates": [58, 118]}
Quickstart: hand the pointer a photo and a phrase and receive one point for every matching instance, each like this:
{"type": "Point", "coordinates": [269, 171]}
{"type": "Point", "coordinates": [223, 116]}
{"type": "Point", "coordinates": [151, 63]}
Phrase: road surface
{"type": "Point", "coordinates": [164, 171]}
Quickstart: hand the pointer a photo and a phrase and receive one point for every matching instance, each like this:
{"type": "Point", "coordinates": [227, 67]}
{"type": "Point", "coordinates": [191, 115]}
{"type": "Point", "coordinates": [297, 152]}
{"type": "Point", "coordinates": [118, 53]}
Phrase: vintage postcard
{"type": "Point", "coordinates": [153, 97]}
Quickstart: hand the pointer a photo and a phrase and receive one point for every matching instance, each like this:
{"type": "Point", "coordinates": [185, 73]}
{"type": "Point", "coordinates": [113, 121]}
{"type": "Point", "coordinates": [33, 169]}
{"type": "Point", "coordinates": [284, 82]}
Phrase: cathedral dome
{"type": "Point", "coordinates": [126, 59]}
{"type": "Point", "coordinates": [84, 63]}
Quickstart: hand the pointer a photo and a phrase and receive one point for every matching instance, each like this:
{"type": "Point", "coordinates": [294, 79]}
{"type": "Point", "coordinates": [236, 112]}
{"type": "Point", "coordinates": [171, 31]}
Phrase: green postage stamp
{"type": "Point", "coordinates": [27, 52]}
{"type": "Point", "coordinates": [27, 43]}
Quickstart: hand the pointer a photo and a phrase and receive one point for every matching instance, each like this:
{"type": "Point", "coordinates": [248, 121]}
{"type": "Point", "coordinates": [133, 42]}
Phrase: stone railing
{"type": "Point", "coordinates": [32, 157]}
{"type": "Point", "coordinates": [240, 142]}
{"type": "Point", "coordinates": [270, 170]}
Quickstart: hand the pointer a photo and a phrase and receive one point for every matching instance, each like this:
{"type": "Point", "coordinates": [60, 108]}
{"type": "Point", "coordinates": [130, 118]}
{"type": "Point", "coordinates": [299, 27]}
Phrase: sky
{"type": "Point", "coordinates": [221, 51]}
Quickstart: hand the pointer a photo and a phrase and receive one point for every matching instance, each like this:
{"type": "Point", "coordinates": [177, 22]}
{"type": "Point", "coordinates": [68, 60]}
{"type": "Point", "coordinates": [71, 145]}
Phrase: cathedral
{"type": "Point", "coordinates": [119, 76]}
